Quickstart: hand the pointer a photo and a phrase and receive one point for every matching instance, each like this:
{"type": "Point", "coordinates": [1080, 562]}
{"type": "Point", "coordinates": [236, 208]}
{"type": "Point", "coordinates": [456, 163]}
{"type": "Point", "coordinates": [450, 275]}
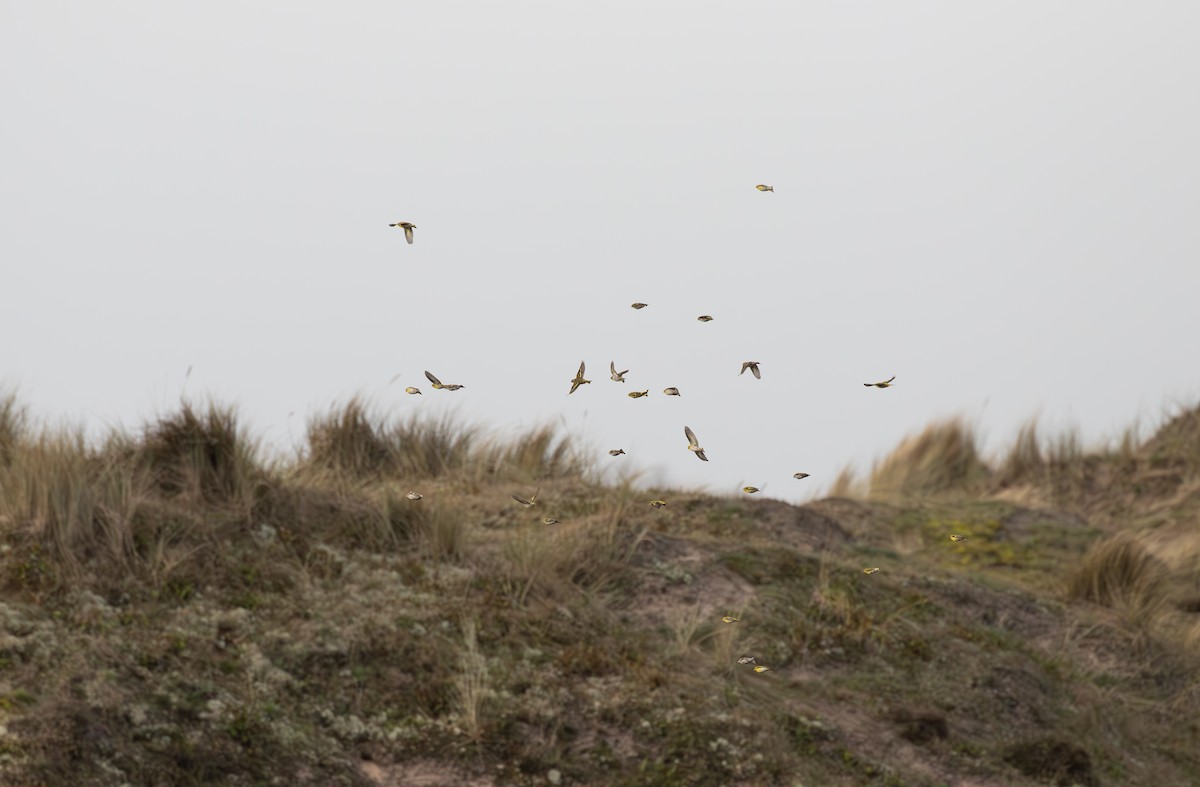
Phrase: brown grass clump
{"type": "Point", "coordinates": [74, 502]}
{"type": "Point", "coordinates": [1121, 572]}
{"type": "Point", "coordinates": [202, 455]}
{"type": "Point", "coordinates": [941, 458]}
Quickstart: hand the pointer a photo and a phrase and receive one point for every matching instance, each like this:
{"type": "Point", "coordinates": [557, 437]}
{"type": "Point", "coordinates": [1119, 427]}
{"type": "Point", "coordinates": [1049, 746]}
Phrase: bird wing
{"type": "Point", "coordinates": [408, 234]}
{"type": "Point", "coordinates": [522, 501]}
{"type": "Point", "coordinates": [612, 365]}
{"type": "Point", "coordinates": [745, 366]}
{"type": "Point", "coordinates": [700, 454]}
{"type": "Point", "coordinates": [754, 371]}
{"type": "Point", "coordinates": [581, 367]}
{"type": "Point", "coordinates": [433, 379]}
{"type": "Point", "coordinates": [691, 436]}
{"type": "Point", "coordinates": [892, 378]}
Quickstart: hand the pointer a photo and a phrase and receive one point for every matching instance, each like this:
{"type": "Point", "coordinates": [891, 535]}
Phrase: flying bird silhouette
{"type": "Point", "coordinates": [408, 228]}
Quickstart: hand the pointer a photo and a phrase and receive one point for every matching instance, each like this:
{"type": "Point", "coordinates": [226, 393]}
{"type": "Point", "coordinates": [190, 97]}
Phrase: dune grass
{"type": "Point", "coordinates": [181, 607]}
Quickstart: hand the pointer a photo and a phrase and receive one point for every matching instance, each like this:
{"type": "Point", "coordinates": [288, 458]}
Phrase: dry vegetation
{"type": "Point", "coordinates": [181, 608]}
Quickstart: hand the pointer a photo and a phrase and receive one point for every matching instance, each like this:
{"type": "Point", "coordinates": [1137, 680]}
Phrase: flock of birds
{"type": "Point", "coordinates": [693, 444]}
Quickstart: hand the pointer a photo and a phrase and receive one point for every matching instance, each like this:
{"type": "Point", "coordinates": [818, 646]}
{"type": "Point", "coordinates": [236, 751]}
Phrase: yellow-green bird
{"type": "Point", "coordinates": [799, 476]}
{"type": "Point", "coordinates": [411, 390]}
{"type": "Point", "coordinates": [871, 570]}
{"type": "Point", "coordinates": [884, 384]}
{"type": "Point", "coordinates": [753, 367]}
{"type": "Point", "coordinates": [616, 377]}
{"type": "Point", "coordinates": [408, 228]}
{"type": "Point", "coordinates": [705, 318]}
{"type": "Point", "coordinates": [693, 443]}
{"type": "Point", "coordinates": [760, 668]}
{"type": "Point", "coordinates": [730, 619]}
{"type": "Point", "coordinates": [639, 394]}
{"type": "Point", "coordinates": [765, 187]}
{"type": "Point", "coordinates": [578, 380]}
{"type": "Point", "coordinates": [658, 503]}
{"type": "Point", "coordinates": [438, 383]}
{"type": "Point", "coordinates": [749, 489]}
{"type": "Point", "coordinates": [957, 537]}
{"type": "Point", "coordinates": [530, 503]}
{"type": "Point", "coordinates": [671, 391]}
{"type": "Point", "coordinates": [616, 452]}
{"type": "Point", "coordinates": [639, 305]}
{"type": "Point", "coordinates": [414, 496]}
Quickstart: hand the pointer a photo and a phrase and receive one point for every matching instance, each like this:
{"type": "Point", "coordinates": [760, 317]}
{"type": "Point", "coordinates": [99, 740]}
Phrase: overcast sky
{"type": "Point", "coordinates": [995, 201]}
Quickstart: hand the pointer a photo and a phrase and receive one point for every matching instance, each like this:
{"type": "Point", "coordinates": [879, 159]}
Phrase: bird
{"type": "Point", "coordinates": [549, 521]}
{"type": "Point", "coordinates": [578, 381]}
{"type": "Point", "coordinates": [957, 537]}
{"type": "Point", "coordinates": [749, 489]}
{"type": "Point", "coordinates": [705, 318]}
{"type": "Point", "coordinates": [671, 391]}
{"type": "Point", "coordinates": [765, 187]}
{"type": "Point", "coordinates": [616, 452]}
{"type": "Point", "coordinates": [639, 305]}
{"type": "Point", "coordinates": [414, 496]}
{"type": "Point", "coordinates": [884, 384]}
{"type": "Point", "coordinates": [870, 570]}
{"type": "Point", "coordinates": [438, 383]}
{"type": "Point", "coordinates": [411, 390]}
{"type": "Point", "coordinates": [617, 377]}
{"type": "Point", "coordinates": [658, 503]}
{"type": "Point", "coordinates": [530, 503]}
{"type": "Point", "coordinates": [799, 476]}
{"type": "Point", "coordinates": [408, 228]}
{"type": "Point", "coordinates": [746, 660]}
{"type": "Point", "coordinates": [693, 443]}
{"type": "Point", "coordinates": [760, 668]}
{"type": "Point", "coordinates": [639, 394]}
{"type": "Point", "coordinates": [753, 367]}
{"type": "Point", "coordinates": [730, 619]}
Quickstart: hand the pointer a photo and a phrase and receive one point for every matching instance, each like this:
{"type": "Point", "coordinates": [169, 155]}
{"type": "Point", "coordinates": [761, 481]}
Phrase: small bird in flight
{"type": "Point", "coordinates": [639, 305]}
{"type": "Point", "coordinates": [616, 452]}
{"type": "Point", "coordinates": [411, 390]}
{"type": "Point", "coordinates": [760, 668]}
{"type": "Point", "coordinates": [616, 377]}
{"type": "Point", "coordinates": [639, 394]}
{"type": "Point", "coordinates": [549, 521]}
{"type": "Point", "coordinates": [799, 476]}
{"type": "Point", "coordinates": [438, 383]}
{"type": "Point", "coordinates": [658, 503]}
{"type": "Point", "coordinates": [765, 187]}
{"type": "Point", "coordinates": [530, 503]}
{"type": "Point", "coordinates": [414, 496]}
{"type": "Point", "coordinates": [870, 570]}
{"type": "Point", "coordinates": [671, 391]}
{"type": "Point", "coordinates": [693, 443]}
{"type": "Point", "coordinates": [957, 537]}
{"type": "Point", "coordinates": [705, 318]}
{"type": "Point", "coordinates": [753, 367]}
{"type": "Point", "coordinates": [749, 489]}
{"type": "Point", "coordinates": [884, 384]}
{"type": "Point", "coordinates": [730, 619]}
{"type": "Point", "coordinates": [578, 381]}
{"type": "Point", "coordinates": [746, 660]}
{"type": "Point", "coordinates": [408, 228]}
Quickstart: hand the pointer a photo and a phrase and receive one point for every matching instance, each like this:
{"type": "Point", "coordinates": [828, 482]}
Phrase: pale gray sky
{"type": "Point", "coordinates": [994, 201]}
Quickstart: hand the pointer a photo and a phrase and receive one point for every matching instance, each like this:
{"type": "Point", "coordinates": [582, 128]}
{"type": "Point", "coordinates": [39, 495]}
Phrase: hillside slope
{"type": "Point", "coordinates": [178, 609]}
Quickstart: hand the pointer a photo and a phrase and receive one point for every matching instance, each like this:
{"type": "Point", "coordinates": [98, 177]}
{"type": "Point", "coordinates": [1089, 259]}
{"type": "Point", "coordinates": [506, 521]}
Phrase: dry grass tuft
{"type": "Point", "coordinates": [1121, 572]}
{"type": "Point", "coordinates": [942, 458]}
{"type": "Point", "coordinates": [76, 503]}
{"type": "Point", "coordinates": [201, 455]}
